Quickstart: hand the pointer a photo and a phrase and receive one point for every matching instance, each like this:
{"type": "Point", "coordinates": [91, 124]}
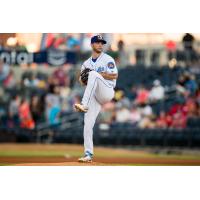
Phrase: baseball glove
{"type": "Point", "coordinates": [84, 75]}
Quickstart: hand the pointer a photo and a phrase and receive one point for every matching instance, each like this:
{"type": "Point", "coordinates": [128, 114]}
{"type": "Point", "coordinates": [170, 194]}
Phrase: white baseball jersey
{"type": "Point", "coordinates": [104, 63]}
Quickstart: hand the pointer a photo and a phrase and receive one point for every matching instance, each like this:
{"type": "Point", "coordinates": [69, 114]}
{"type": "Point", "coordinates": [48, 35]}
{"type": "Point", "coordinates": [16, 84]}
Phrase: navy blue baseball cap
{"type": "Point", "coordinates": [97, 38]}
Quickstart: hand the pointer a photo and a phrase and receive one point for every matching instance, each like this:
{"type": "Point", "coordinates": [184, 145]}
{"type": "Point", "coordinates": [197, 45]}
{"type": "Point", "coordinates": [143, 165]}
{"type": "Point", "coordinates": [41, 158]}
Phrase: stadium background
{"type": "Point", "coordinates": [155, 109]}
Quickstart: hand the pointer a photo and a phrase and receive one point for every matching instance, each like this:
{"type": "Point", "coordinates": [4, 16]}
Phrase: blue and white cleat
{"type": "Point", "coordinates": [85, 159]}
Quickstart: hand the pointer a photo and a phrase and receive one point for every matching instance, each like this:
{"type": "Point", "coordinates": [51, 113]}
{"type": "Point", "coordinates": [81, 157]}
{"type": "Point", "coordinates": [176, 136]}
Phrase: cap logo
{"type": "Point", "coordinates": [99, 37]}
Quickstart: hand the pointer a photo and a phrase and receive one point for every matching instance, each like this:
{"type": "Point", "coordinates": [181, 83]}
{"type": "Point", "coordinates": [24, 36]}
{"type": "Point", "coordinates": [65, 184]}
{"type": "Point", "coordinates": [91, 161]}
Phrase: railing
{"type": "Point", "coordinates": [116, 134]}
{"type": "Point", "coordinates": [66, 123]}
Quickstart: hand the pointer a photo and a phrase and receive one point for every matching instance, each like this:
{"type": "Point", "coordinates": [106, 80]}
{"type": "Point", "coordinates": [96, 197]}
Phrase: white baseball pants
{"type": "Point", "coordinates": [97, 92]}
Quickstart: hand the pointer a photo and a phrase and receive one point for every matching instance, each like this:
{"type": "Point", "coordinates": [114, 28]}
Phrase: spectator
{"type": "Point", "coordinates": [10, 82]}
{"type": "Point", "coordinates": [146, 110]}
{"type": "Point", "coordinates": [198, 95]}
{"type": "Point", "coordinates": [179, 120]}
{"type": "Point", "coordinates": [142, 95]}
{"type": "Point", "coordinates": [180, 86]}
{"type": "Point", "coordinates": [54, 40]}
{"type": "Point", "coordinates": [26, 120]}
{"type": "Point", "coordinates": [188, 44]}
{"type": "Point", "coordinates": [53, 113]}
{"type": "Point", "coordinates": [123, 101]}
{"type": "Point", "coordinates": [188, 40]}
{"type": "Point", "coordinates": [122, 115]}
{"type": "Point", "coordinates": [13, 111]}
{"type": "Point", "coordinates": [53, 97]}
{"type": "Point", "coordinates": [176, 107]}
{"type": "Point", "coordinates": [60, 77]}
{"type": "Point", "coordinates": [157, 92]}
{"type": "Point", "coordinates": [135, 115]}
{"type": "Point", "coordinates": [123, 57]}
{"type": "Point", "coordinates": [14, 106]}
{"type": "Point", "coordinates": [36, 108]}
{"type": "Point", "coordinates": [118, 95]}
{"type": "Point", "coordinates": [161, 122]}
{"type": "Point", "coordinates": [4, 71]}
{"type": "Point", "coordinates": [133, 93]}
{"type": "Point", "coordinates": [72, 43]}
{"type": "Point", "coordinates": [53, 105]}
{"type": "Point", "coordinates": [31, 82]}
{"type": "Point", "coordinates": [192, 107]}
{"type": "Point", "coordinates": [169, 120]}
{"type": "Point", "coordinates": [190, 84]}
{"type": "Point", "coordinates": [147, 118]}
{"type": "Point", "coordinates": [147, 122]}
{"type": "Point", "coordinates": [65, 93]}
{"type": "Point", "coordinates": [198, 109]}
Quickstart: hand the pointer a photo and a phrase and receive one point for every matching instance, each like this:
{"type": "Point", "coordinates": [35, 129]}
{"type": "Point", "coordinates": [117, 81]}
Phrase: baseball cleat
{"type": "Point", "coordinates": [85, 159]}
{"type": "Point", "coordinates": [80, 107]}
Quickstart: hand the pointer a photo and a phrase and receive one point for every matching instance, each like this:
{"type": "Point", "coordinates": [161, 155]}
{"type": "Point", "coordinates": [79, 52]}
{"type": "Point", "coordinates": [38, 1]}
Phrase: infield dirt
{"type": "Point", "coordinates": [67, 155]}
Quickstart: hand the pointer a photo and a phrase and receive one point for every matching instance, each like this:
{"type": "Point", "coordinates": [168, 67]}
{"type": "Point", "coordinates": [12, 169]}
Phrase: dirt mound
{"type": "Point", "coordinates": [62, 161]}
{"type": "Point", "coordinates": [62, 164]}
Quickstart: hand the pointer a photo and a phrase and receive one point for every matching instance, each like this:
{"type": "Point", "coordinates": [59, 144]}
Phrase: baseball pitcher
{"type": "Point", "coordinates": [99, 74]}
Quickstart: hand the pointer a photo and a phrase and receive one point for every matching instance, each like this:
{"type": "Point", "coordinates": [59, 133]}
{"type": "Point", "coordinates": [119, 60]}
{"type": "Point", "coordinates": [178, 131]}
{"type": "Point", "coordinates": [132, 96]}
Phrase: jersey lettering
{"type": "Point", "coordinates": [100, 69]}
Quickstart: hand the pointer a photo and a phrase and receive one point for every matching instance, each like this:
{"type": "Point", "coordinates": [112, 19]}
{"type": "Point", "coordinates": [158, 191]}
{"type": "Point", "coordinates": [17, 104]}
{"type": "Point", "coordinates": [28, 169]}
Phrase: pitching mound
{"type": "Point", "coordinates": [62, 164]}
{"type": "Point", "coordinates": [62, 161]}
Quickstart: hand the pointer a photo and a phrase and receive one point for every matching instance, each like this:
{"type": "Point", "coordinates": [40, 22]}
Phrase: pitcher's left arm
{"type": "Point", "coordinates": [111, 72]}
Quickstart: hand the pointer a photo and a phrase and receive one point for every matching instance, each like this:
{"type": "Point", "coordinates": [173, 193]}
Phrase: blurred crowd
{"type": "Point", "coordinates": [37, 97]}
{"type": "Point", "coordinates": [62, 41]}
{"type": "Point", "coordinates": [41, 98]}
{"type": "Point", "coordinates": [137, 109]}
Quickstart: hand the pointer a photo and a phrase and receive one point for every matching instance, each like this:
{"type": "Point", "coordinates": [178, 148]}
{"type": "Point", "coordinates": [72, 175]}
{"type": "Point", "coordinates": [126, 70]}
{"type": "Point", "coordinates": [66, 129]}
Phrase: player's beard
{"type": "Point", "coordinates": [96, 50]}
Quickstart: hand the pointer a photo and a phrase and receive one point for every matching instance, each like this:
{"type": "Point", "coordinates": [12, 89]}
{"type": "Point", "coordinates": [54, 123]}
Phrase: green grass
{"type": "Point", "coordinates": [36, 154]}
{"type": "Point", "coordinates": [105, 153]}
